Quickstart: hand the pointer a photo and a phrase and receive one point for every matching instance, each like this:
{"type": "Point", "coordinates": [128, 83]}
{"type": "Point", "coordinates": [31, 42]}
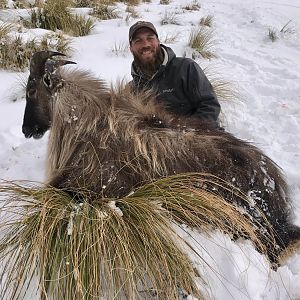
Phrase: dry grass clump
{"type": "Point", "coordinates": [54, 14]}
{"type": "Point", "coordinates": [164, 2]}
{"type": "Point", "coordinates": [206, 21]}
{"type": "Point", "coordinates": [84, 3]}
{"type": "Point", "coordinates": [194, 5]}
{"type": "Point", "coordinates": [120, 49]}
{"type": "Point", "coordinates": [272, 34]}
{"type": "Point", "coordinates": [57, 42]}
{"type": "Point", "coordinates": [105, 12]}
{"type": "Point", "coordinates": [287, 29]}
{"type": "Point", "coordinates": [22, 4]}
{"type": "Point", "coordinates": [169, 18]}
{"type": "Point", "coordinates": [169, 38]}
{"type": "Point", "coordinates": [131, 2]}
{"type": "Point", "coordinates": [224, 89]}
{"type": "Point", "coordinates": [80, 25]}
{"type": "Point", "coordinates": [131, 13]}
{"type": "Point", "coordinates": [5, 29]}
{"type": "Point", "coordinates": [19, 88]}
{"type": "Point", "coordinates": [89, 247]}
{"type": "Point", "coordinates": [3, 4]}
{"type": "Point", "coordinates": [202, 41]}
{"type": "Point", "coordinates": [15, 52]}
{"type": "Point", "coordinates": [93, 3]}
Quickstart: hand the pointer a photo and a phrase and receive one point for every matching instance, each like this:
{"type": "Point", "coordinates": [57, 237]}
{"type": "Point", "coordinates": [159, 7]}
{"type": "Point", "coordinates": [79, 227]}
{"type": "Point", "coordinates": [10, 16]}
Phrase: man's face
{"type": "Point", "coordinates": [145, 46]}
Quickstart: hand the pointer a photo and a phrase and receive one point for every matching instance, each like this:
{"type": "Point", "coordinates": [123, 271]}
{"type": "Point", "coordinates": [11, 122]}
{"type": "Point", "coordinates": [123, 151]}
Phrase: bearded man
{"type": "Point", "coordinates": [179, 82]}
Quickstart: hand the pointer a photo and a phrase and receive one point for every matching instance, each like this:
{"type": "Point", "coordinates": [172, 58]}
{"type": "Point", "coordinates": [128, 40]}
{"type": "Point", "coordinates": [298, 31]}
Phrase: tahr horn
{"type": "Point", "coordinates": [38, 60]}
{"type": "Point", "coordinates": [52, 65]}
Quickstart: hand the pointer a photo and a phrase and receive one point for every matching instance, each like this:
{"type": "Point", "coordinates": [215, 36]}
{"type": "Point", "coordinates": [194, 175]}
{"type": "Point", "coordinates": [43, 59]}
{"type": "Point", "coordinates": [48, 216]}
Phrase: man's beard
{"type": "Point", "coordinates": [149, 67]}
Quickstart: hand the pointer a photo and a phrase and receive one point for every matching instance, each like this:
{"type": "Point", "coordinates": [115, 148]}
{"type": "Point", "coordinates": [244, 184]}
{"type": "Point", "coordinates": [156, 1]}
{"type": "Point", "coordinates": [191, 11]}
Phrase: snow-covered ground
{"type": "Point", "coordinates": [266, 113]}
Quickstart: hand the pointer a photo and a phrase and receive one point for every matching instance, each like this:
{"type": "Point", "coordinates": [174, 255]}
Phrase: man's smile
{"type": "Point", "coordinates": [147, 52]}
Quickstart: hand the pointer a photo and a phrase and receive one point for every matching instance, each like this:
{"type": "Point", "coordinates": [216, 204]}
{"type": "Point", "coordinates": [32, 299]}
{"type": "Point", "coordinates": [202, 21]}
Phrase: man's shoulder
{"type": "Point", "coordinates": [183, 61]}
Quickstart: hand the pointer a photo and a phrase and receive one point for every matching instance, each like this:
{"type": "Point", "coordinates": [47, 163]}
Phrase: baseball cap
{"type": "Point", "coordinates": [138, 25]}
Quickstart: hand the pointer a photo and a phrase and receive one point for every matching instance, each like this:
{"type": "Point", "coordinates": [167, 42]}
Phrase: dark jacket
{"type": "Point", "coordinates": [183, 87]}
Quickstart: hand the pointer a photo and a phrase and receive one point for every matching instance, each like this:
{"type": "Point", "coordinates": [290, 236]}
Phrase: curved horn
{"type": "Point", "coordinates": [38, 60]}
{"type": "Point", "coordinates": [52, 65]}
{"type": "Point", "coordinates": [62, 62]}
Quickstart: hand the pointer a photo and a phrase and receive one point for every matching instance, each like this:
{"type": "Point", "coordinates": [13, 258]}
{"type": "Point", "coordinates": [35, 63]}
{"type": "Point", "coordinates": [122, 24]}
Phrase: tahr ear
{"type": "Point", "coordinates": [48, 81]}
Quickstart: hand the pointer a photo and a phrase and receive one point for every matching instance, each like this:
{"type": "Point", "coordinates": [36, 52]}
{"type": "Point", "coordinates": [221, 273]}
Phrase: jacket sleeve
{"type": "Point", "coordinates": [204, 102]}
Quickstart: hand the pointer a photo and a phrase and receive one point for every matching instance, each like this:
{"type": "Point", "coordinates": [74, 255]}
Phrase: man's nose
{"type": "Point", "coordinates": [145, 43]}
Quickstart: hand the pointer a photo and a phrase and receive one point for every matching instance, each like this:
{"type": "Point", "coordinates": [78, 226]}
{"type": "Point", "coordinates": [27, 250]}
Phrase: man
{"type": "Point", "coordinates": [179, 82]}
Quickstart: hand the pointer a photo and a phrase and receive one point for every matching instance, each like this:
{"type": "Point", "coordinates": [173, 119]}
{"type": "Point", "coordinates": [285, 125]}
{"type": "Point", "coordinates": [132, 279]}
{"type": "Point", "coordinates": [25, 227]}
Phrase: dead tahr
{"type": "Point", "coordinates": [111, 142]}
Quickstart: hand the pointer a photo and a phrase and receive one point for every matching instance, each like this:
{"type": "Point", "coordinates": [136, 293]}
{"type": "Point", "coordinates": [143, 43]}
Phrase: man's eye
{"type": "Point", "coordinates": [136, 41]}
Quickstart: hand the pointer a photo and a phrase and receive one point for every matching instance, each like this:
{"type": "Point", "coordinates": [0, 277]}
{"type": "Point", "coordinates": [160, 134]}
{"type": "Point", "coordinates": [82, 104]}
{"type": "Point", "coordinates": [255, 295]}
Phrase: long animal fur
{"type": "Point", "coordinates": [110, 142]}
{"type": "Point", "coordinates": [135, 130]}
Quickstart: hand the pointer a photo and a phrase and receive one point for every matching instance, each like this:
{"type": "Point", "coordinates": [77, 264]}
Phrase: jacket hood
{"type": "Point", "coordinates": [170, 53]}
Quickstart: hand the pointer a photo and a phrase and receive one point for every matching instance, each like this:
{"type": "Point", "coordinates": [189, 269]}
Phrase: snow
{"type": "Point", "coordinates": [267, 113]}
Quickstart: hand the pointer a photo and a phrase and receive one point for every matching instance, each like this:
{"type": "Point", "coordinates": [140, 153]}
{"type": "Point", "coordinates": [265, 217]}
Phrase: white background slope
{"type": "Point", "coordinates": [268, 114]}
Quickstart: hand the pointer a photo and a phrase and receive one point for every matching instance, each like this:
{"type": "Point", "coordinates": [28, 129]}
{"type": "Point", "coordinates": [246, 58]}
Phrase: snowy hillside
{"type": "Point", "coordinates": [266, 113]}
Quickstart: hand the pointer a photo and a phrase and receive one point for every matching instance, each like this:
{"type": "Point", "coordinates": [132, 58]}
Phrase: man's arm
{"type": "Point", "coordinates": [204, 102]}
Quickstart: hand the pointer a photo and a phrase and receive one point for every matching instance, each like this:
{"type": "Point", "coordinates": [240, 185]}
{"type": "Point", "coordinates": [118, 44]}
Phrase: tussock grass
{"type": "Point", "coordinates": [131, 2]}
{"type": "Point", "coordinates": [15, 52]}
{"type": "Point", "coordinates": [84, 3]}
{"type": "Point", "coordinates": [169, 38]}
{"type": "Point", "coordinates": [169, 18]}
{"type": "Point", "coordinates": [131, 12]}
{"type": "Point", "coordinates": [80, 25]}
{"type": "Point", "coordinates": [224, 89]}
{"type": "Point", "coordinates": [3, 4]}
{"type": "Point", "coordinates": [93, 3]}
{"type": "Point", "coordinates": [5, 29]}
{"type": "Point", "coordinates": [164, 2]}
{"type": "Point", "coordinates": [89, 247]}
{"type": "Point", "coordinates": [105, 12]}
{"type": "Point", "coordinates": [194, 5]}
{"type": "Point", "coordinates": [202, 41]}
{"type": "Point", "coordinates": [120, 49]}
{"type": "Point", "coordinates": [206, 21]}
{"type": "Point", "coordinates": [20, 88]}
{"type": "Point", "coordinates": [286, 28]}
{"type": "Point", "coordinates": [272, 34]}
{"type": "Point", "coordinates": [56, 41]}
{"type": "Point", "coordinates": [22, 4]}
{"type": "Point", "coordinates": [54, 14]}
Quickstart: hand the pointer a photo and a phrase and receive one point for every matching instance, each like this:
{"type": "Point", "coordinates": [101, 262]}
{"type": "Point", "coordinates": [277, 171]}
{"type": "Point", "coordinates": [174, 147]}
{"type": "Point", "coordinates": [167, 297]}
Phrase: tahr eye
{"type": "Point", "coordinates": [31, 93]}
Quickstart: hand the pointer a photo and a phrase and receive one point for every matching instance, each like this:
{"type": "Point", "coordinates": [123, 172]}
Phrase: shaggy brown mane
{"type": "Point", "coordinates": [157, 143]}
{"type": "Point", "coordinates": [112, 141]}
